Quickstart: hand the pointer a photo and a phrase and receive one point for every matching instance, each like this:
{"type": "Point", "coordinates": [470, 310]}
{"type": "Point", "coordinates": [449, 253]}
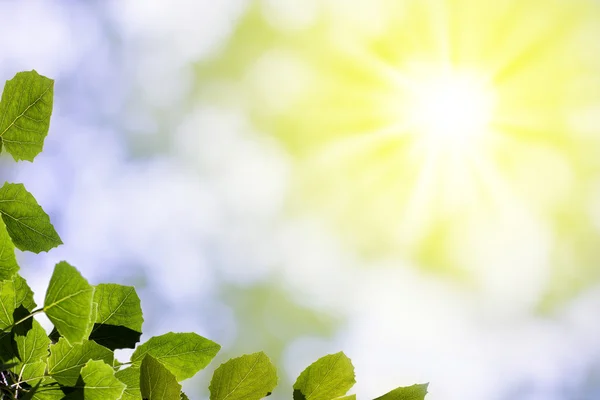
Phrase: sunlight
{"type": "Point", "coordinates": [451, 110]}
{"type": "Point", "coordinates": [413, 139]}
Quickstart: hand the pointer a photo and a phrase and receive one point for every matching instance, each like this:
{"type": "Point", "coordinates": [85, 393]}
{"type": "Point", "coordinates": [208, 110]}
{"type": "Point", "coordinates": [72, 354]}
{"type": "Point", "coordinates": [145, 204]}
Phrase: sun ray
{"type": "Point", "coordinates": [347, 147]}
{"type": "Point", "coordinates": [378, 137]}
{"type": "Point", "coordinates": [538, 48]}
{"type": "Point", "coordinates": [416, 216]}
{"type": "Point", "coordinates": [359, 55]}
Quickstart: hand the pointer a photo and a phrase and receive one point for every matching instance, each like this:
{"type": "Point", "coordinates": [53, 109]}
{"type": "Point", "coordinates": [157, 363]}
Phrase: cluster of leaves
{"type": "Point", "coordinates": [76, 360]}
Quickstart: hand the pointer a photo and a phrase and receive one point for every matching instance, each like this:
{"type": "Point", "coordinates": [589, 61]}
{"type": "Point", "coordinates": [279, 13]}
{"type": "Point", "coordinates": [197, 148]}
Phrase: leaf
{"type": "Point", "coordinates": [66, 360]}
{"type": "Point", "coordinates": [327, 378]}
{"type": "Point", "coordinates": [118, 316]}
{"type": "Point", "coordinates": [8, 261]}
{"type": "Point", "coordinates": [13, 293]}
{"type": "Point", "coordinates": [24, 294]}
{"type": "Point", "coordinates": [98, 382]}
{"type": "Point", "coordinates": [349, 397]}
{"type": "Point", "coordinates": [414, 392]}
{"type": "Point", "coordinates": [118, 305]}
{"type": "Point", "coordinates": [25, 111]}
{"type": "Point", "coordinates": [26, 222]}
{"type": "Point", "coordinates": [131, 377]}
{"type": "Point", "coordinates": [184, 396]}
{"type": "Point", "coordinates": [157, 382]}
{"type": "Point", "coordinates": [32, 373]}
{"type": "Point", "coordinates": [68, 302]}
{"type": "Point", "coordinates": [184, 354]}
{"type": "Point", "coordinates": [32, 345]}
{"type": "Point", "coordinates": [8, 299]}
{"type": "Point", "coordinates": [32, 342]}
{"type": "Point", "coordinates": [9, 356]}
{"type": "Point", "coordinates": [249, 377]}
{"type": "Point", "coordinates": [47, 389]}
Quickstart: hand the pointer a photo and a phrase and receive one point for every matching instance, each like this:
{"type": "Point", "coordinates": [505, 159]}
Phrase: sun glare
{"type": "Point", "coordinates": [451, 110]}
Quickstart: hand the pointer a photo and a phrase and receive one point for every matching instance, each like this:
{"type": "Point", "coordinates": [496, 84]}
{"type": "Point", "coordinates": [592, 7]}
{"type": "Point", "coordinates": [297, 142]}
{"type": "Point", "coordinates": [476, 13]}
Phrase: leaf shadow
{"type": "Point", "coordinates": [115, 337]}
{"type": "Point", "coordinates": [298, 395]}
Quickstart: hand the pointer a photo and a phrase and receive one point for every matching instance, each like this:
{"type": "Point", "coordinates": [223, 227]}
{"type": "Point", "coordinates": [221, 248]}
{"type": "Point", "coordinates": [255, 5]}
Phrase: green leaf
{"type": "Point", "coordinates": [32, 342]}
{"type": "Point", "coordinates": [131, 377]}
{"type": "Point", "coordinates": [8, 299]}
{"type": "Point", "coordinates": [9, 356]}
{"type": "Point", "coordinates": [184, 396]}
{"type": "Point", "coordinates": [13, 293]}
{"type": "Point", "coordinates": [24, 294]}
{"type": "Point", "coordinates": [118, 305]}
{"type": "Point", "coordinates": [26, 222]}
{"type": "Point", "coordinates": [66, 360]}
{"type": "Point", "coordinates": [157, 382]}
{"type": "Point", "coordinates": [118, 316]}
{"type": "Point", "coordinates": [48, 389]}
{"type": "Point", "coordinates": [68, 302]}
{"type": "Point", "coordinates": [327, 378]}
{"type": "Point", "coordinates": [25, 111]}
{"type": "Point", "coordinates": [249, 377]}
{"type": "Point", "coordinates": [184, 354]}
{"type": "Point", "coordinates": [8, 261]}
{"type": "Point", "coordinates": [414, 392]}
{"type": "Point", "coordinates": [32, 373]}
{"type": "Point", "coordinates": [98, 382]}
{"type": "Point", "coordinates": [349, 397]}
{"type": "Point", "coordinates": [32, 345]}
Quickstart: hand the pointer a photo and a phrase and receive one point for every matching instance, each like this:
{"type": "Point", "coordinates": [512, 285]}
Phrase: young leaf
{"type": "Point", "coordinates": [118, 305]}
{"type": "Point", "coordinates": [183, 354]}
{"type": "Point", "coordinates": [68, 302]}
{"type": "Point", "coordinates": [249, 377]}
{"type": "Point", "coordinates": [327, 378]}
{"type": "Point", "coordinates": [47, 389]}
{"type": "Point", "coordinates": [8, 299]}
{"type": "Point", "coordinates": [9, 356]}
{"type": "Point", "coordinates": [118, 316]}
{"type": "Point", "coordinates": [24, 294]}
{"type": "Point", "coordinates": [32, 341]}
{"type": "Point", "coordinates": [13, 293]}
{"type": "Point", "coordinates": [98, 382]}
{"type": "Point", "coordinates": [157, 382]}
{"type": "Point", "coordinates": [131, 377]}
{"type": "Point", "coordinates": [32, 373]}
{"type": "Point", "coordinates": [32, 346]}
{"type": "Point", "coordinates": [66, 360]}
{"type": "Point", "coordinates": [8, 261]}
{"type": "Point", "coordinates": [414, 392]}
{"type": "Point", "coordinates": [25, 111]}
{"type": "Point", "coordinates": [26, 222]}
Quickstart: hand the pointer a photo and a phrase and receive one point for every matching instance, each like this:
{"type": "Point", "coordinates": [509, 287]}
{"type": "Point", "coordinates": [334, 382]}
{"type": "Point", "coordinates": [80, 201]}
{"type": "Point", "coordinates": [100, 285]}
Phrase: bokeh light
{"type": "Point", "coordinates": [344, 109]}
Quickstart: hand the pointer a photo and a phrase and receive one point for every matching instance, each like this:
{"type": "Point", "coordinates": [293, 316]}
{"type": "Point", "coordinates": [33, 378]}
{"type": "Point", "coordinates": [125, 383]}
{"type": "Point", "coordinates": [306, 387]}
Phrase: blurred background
{"type": "Point", "coordinates": [416, 183]}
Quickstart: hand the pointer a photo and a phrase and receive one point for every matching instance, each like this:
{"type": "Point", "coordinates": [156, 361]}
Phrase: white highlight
{"type": "Point", "coordinates": [451, 109]}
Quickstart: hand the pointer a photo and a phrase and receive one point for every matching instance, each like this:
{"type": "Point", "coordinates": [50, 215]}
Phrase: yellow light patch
{"type": "Point", "coordinates": [435, 124]}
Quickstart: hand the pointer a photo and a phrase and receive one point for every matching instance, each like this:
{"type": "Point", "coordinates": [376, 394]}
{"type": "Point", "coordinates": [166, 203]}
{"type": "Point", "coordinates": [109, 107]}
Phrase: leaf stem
{"type": "Point", "coordinates": [37, 311]}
